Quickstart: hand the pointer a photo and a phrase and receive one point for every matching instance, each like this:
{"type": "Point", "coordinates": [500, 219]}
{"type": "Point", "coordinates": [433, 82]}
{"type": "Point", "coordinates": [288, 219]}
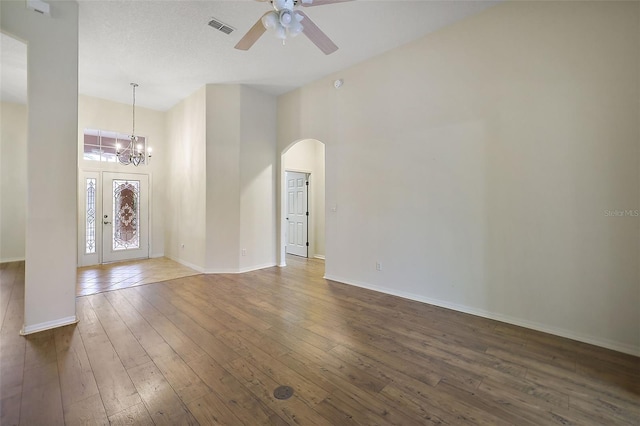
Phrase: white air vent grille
{"type": "Point", "coordinates": [221, 26]}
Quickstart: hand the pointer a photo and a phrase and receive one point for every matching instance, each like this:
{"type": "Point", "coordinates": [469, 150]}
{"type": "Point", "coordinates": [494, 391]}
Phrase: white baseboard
{"type": "Point", "coordinates": [241, 270]}
{"type": "Point", "coordinates": [156, 255]}
{"type": "Point", "coordinates": [593, 340]}
{"type": "Point", "coordinates": [187, 264]}
{"type": "Point", "coordinates": [319, 256]}
{"type": "Point", "coordinates": [12, 259]}
{"type": "Point", "coordinates": [221, 270]}
{"type": "Point", "coordinates": [47, 325]}
{"type": "Point", "coordinates": [256, 267]}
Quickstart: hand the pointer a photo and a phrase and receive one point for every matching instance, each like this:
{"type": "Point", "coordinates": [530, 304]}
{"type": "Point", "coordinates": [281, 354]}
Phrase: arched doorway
{"type": "Point", "coordinates": [302, 160]}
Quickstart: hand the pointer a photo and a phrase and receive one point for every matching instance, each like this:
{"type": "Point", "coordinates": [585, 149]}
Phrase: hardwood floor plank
{"type": "Point", "coordinates": [134, 415]}
{"type": "Point", "coordinates": [182, 344]}
{"type": "Point", "coordinates": [162, 403]}
{"type": "Point", "coordinates": [440, 411]}
{"type": "Point", "coordinates": [182, 378]}
{"type": "Point", "coordinates": [77, 381]}
{"type": "Point", "coordinates": [294, 410]}
{"type": "Point", "coordinates": [343, 394]}
{"type": "Point", "coordinates": [177, 373]}
{"type": "Point", "coordinates": [12, 356]}
{"type": "Point", "coordinates": [144, 333]}
{"type": "Point", "coordinates": [129, 351]}
{"type": "Point", "coordinates": [240, 401]}
{"type": "Point", "coordinates": [114, 384]}
{"type": "Point", "coordinates": [41, 399]}
{"type": "Point", "coordinates": [209, 410]}
{"type": "Point", "coordinates": [207, 341]}
{"type": "Point", "coordinates": [210, 349]}
{"type": "Point", "coordinates": [89, 411]}
{"type": "Point", "coordinates": [457, 400]}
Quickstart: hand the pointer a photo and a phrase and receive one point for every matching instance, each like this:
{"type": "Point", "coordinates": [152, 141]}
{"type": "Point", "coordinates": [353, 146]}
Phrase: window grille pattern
{"type": "Point", "coordinates": [90, 216]}
{"type": "Point", "coordinates": [126, 214]}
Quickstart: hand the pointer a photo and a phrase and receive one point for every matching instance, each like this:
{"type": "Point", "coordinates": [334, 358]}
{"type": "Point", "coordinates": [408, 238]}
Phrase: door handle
{"type": "Point", "coordinates": [106, 223]}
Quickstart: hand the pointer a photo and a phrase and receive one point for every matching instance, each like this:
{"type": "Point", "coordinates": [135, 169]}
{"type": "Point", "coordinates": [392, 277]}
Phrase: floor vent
{"type": "Point", "coordinates": [283, 392]}
{"type": "Point", "coordinates": [221, 26]}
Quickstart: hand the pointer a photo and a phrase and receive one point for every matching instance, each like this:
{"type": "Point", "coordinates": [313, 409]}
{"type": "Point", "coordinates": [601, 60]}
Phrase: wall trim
{"type": "Point", "coordinates": [256, 267]}
{"type": "Point", "coordinates": [156, 255]}
{"type": "Point", "coordinates": [319, 256]}
{"type": "Point", "coordinates": [47, 325]}
{"type": "Point", "coordinates": [533, 325]}
{"type": "Point", "coordinates": [240, 270]}
{"type": "Point", "coordinates": [187, 264]}
{"type": "Point", "coordinates": [12, 259]}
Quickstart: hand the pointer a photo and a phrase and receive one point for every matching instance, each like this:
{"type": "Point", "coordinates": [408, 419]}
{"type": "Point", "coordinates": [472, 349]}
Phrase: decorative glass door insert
{"type": "Point", "coordinates": [90, 216]}
{"type": "Point", "coordinates": [126, 214]}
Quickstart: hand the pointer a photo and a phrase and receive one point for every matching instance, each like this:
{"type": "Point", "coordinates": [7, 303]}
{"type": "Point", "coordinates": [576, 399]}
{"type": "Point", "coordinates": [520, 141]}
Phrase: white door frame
{"type": "Point", "coordinates": [96, 258]}
{"type": "Point", "coordinates": [306, 208]}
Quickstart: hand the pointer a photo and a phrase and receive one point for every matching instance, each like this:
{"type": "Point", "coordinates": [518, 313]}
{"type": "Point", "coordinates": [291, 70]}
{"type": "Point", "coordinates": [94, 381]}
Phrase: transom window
{"type": "Point", "coordinates": [101, 145]}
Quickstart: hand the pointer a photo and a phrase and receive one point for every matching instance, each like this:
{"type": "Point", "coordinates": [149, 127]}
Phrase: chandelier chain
{"type": "Point", "coordinates": [134, 109]}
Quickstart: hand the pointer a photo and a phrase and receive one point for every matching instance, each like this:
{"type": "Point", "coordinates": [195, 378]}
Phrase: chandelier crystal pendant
{"type": "Point", "coordinates": [134, 153]}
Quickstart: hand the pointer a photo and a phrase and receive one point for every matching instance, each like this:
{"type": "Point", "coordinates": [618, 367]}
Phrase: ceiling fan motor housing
{"type": "Point", "coordinates": [283, 5]}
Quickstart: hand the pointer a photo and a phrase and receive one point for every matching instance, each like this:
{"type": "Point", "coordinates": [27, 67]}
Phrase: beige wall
{"type": "Point", "coordinates": [240, 179]}
{"type": "Point", "coordinates": [50, 273]}
{"type": "Point", "coordinates": [221, 180]}
{"type": "Point", "coordinates": [223, 183]}
{"type": "Point", "coordinates": [95, 113]}
{"type": "Point", "coordinates": [185, 171]}
{"type": "Point", "coordinates": [257, 179]}
{"type": "Point", "coordinates": [13, 181]}
{"type": "Point", "coordinates": [477, 165]}
{"type": "Point", "coordinates": [308, 156]}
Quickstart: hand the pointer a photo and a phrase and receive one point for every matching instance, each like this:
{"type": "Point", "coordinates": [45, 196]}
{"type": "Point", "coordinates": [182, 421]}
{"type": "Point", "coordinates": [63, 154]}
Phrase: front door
{"type": "Point", "coordinates": [297, 213]}
{"type": "Point", "coordinates": [125, 216]}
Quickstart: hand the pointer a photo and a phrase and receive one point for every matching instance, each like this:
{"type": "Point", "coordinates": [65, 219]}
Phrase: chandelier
{"type": "Point", "coordinates": [134, 153]}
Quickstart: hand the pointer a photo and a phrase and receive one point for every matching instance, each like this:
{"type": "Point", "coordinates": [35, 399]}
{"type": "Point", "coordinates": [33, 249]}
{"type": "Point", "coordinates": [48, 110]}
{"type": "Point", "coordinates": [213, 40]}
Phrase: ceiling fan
{"type": "Point", "coordinates": [287, 21]}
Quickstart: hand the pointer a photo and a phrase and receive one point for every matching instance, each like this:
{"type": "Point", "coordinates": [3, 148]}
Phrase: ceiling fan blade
{"type": "Point", "coordinates": [252, 35]}
{"type": "Point", "coordinates": [321, 2]}
{"type": "Point", "coordinates": [316, 35]}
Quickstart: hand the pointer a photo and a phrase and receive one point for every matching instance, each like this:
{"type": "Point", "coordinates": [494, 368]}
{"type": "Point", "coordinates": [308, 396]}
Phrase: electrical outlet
{"type": "Point", "coordinates": [378, 266]}
{"type": "Point", "coordinates": [182, 245]}
{"type": "Point", "coordinates": [244, 252]}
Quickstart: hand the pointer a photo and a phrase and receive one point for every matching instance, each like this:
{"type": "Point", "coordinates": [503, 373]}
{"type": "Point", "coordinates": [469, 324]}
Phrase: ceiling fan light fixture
{"type": "Point", "coordinates": [285, 18]}
{"type": "Point", "coordinates": [285, 21]}
{"type": "Point", "coordinates": [296, 27]}
{"type": "Point", "coordinates": [270, 21]}
{"type": "Point", "coordinates": [281, 33]}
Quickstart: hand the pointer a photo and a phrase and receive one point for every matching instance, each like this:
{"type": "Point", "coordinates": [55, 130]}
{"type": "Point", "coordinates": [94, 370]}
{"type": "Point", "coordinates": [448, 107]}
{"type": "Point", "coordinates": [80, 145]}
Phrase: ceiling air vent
{"type": "Point", "coordinates": [220, 26]}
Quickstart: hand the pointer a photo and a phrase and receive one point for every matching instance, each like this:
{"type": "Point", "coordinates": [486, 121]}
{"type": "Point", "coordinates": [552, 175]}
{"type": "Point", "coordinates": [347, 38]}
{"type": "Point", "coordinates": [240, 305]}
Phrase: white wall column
{"type": "Point", "coordinates": [51, 159]}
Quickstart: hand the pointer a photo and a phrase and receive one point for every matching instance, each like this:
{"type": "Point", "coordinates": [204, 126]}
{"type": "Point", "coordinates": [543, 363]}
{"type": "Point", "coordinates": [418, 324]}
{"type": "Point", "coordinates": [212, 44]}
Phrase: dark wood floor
{"type": "Point", "coordinates": [210, 349]}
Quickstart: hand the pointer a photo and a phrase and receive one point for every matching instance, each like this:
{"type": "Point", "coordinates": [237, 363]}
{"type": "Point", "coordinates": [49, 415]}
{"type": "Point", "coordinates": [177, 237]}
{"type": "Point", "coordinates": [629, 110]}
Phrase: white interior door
{"type": "Point", "coordinates": [125, 216]}
{"type": "Point", "coordinates": [297, 213]}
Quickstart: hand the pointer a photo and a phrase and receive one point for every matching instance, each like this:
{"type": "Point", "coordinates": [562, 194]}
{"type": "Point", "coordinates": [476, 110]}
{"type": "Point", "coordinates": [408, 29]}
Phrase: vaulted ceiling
{"type": "Point", "coordinates": [170, 50]}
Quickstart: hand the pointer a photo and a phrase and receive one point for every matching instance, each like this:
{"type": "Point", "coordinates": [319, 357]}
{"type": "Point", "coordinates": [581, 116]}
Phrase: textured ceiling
{"type": "Point", "coordinates": [168, 48]}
